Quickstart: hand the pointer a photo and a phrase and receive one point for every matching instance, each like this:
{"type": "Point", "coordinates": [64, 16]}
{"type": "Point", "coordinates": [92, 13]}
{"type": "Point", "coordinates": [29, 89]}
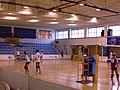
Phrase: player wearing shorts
{"type": "Point", "coordinates": [41, 57]}
{"type": "Point", "coordinates": [114, 68]}
{"type": "Point", "coordinates": [27, 63]}
{"type": "Point", "coordinates": [37, 58]}
{"type": "Point", "coordinates": [17, 55]}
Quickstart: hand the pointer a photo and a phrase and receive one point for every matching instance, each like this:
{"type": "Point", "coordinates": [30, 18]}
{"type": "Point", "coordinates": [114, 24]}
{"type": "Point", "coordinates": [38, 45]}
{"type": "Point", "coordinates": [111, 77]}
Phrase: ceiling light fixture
{"type": "Point", "coordinates": [26, 7]}
{"type": "Point", "coordinates": [73, 15]}
{"type": "Point", "coordinates": [54, 10]}
{"type": "Point", "coordinates": [97, 9]}
{"type": "Point", "coordinates": [10, 13]}
{"type": "Point", "coordinates": [33, 20]}
{"type": "Point", "coordinates": [72, 24]}
{"type": "Point", "coordinates": [81, 4]}
{"type": "Point", "coordinates": [53, 22]}
{"type": "Point", "coordinates": [73, 18]}
{"type": "Point", "coordinates": [51, 14]}
{"type": "Point", "coordinates": [26, 12]}
{"type": "Point", "coordinates": [93, 20]}
{"type": "Point", "coordinates": [10, 18]}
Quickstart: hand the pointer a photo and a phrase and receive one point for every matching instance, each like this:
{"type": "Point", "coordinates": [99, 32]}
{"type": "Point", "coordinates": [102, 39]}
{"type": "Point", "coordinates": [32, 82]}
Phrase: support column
{"type": "Point", "coordinates": [69, 33]}
{"type": "Point", "coordinates": [105, 30]}
{"type": "Point", "coordinates": [12, 30]}
{"type": "Point", "coordinates": [95, 78]}
{"type": "Point", "coordinates": [85, 35]}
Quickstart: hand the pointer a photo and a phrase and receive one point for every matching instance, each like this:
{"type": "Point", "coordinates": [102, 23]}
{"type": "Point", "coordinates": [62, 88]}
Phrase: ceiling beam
{"type": "Point", "coordinates": [18, 4]}
{"type": "Point", "coordinates": [56, 7]}
{"type": "Point", "coordinates": [109, 16]}
{"type": "Point", "coordinates": [81, 15]}
{"type": "Point", "coordinates": [77, 14]}
{"type": "Point", "coordinates": [62, 5]}
{"type": "Point", "coordinates": [38, 7]}
{"type": "Point", "coordinates": [102, 9]}
{"type": "Point", "coordinates": [73, 3]}
{"type": "Point", "coordinates": [95, 7]}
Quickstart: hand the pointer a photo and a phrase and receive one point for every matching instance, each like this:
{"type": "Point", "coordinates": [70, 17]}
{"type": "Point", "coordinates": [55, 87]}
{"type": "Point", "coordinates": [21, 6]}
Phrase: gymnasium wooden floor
{"type": "Point", "coordinates": [64, 72]}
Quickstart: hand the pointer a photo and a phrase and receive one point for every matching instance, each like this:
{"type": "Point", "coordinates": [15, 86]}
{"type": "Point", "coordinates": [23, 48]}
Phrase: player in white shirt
{"type": "Point", "coordinates": [111, 54]}
{"type": "Point", "coordinates": [27, 63]}
{"type": "Point", "coordinates": [17, 54]}
{"type": "Point", "coordinates": [38, 58]}
{"type": "Point", "coordinates": [41, 57]}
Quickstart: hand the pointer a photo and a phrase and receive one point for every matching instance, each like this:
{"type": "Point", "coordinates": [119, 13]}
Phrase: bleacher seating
{"type": "Point", "coordinates": [31, 47]}
{"type": "Point", "coordinates": [6, 48]}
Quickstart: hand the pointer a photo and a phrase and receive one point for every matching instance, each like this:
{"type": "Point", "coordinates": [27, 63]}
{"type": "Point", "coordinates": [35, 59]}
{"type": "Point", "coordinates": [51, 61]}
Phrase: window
{"type": "Point", "coordinates": [94, 32]}
{"type": "Point", "coordinates": [77, 33]}
{"type": "Point", "coordinates": [44, 34]}
{"type": "Point", "coordinates": [99, 30]}
{"type": "Point", "coordinates": [115, 30]}
{"type": "Point", "coordinates": [61, 34]}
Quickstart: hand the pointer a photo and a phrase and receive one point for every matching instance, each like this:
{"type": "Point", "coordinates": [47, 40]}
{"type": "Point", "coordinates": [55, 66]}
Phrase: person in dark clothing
{"type": "Point", "coordinates": [92, 64]}
{"type": "Point", "coordinates": [62, 54]}
{"type": "Point", "coordinates": [114, 68]}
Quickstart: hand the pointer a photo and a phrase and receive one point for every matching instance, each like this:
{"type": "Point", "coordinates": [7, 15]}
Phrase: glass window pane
{"type": "Point", "coordinates": [77, 33]}
{"type": "Point", "coordinates": [61, 34]}
{"type": "Point", "coordinates": [94, 32]}
{"type": "Point", "coordinates": [116, 30]}
{"type": "Point", "coordinates": [91, 32]}
{"type": "Point", "coordinates": [99, 30]}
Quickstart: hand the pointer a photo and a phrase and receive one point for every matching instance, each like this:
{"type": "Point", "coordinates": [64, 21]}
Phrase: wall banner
{"type": "Point", "coordinates": [113, 41]}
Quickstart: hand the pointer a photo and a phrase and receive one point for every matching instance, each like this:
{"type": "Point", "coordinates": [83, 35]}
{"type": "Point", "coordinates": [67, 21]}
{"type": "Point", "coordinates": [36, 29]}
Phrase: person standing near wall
{"type": "Point", "coordinates": [27, 63]}
{"type": "Point", "coordinates": [114, 68]}
{"type": "Point", "coordinates": [62, 54]}
{"type": "Point", "coordinates": [37, 58]}
{"type": "Point", "coordinates": [92, 64]}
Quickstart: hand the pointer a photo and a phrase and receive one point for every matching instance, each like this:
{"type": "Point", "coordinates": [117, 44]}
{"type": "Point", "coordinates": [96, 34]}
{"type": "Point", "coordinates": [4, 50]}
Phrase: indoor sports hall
{"type": "Point", "coordinates": [59, 44]}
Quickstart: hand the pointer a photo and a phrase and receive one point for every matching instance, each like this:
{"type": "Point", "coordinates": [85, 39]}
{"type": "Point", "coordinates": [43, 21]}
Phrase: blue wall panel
{"type": "Point", "coordinates": [5, 31]}
{"type": "Point", "coordinates": [105, 51]}
{"type": "Point", "coordinates": [24, 33]}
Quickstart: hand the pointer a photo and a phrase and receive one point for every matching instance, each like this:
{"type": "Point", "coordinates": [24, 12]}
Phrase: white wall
{"type": "Point", "coordinates": [85, 41]}
{"type": "Point", "coordinates": [50, 57]}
